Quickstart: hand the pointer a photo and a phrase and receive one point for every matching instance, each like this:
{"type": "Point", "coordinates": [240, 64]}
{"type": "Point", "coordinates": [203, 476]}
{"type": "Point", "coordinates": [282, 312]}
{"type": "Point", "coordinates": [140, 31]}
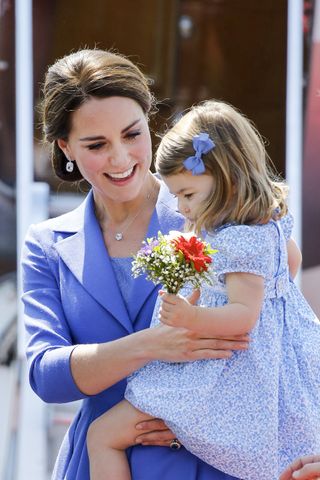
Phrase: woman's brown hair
{"type": "Point", "coordinates": [74, 79]}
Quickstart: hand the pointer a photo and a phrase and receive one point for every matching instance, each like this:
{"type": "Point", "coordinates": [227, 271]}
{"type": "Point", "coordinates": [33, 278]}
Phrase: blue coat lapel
{"type": "Point", "coordinates": [85, 254]}
{"type": "Point", "coordinates": [164, 219]}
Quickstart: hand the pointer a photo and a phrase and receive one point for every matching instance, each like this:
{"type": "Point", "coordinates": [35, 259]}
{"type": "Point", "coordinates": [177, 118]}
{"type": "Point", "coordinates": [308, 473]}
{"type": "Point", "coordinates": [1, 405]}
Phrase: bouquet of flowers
{"type": "Point", "coordinates": [174, 260]}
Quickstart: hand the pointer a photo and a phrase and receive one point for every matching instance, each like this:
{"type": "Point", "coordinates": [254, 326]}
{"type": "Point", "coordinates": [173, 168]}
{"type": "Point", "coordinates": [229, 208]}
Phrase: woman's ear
{"type": "Point", "coordinates": [63, 145]}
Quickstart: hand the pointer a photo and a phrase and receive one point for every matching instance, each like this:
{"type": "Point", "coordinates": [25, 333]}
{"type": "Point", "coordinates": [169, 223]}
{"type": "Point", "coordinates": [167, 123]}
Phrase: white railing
{"type": "Point", "coordinates": [31, 453]}
{"type": "Point", "coordinates": [294, 115]}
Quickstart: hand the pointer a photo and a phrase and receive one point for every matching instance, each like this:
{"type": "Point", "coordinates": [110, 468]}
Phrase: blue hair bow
{"type": "Point", "coordinates": [202, 143]}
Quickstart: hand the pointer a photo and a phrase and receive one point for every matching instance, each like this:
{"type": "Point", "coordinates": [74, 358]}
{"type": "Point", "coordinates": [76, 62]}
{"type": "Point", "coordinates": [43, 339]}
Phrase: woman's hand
{"type": "Point", "coordinates": [174, 344]}
{"type": "Point", "coordinates": [304, 468]}
{"type": "Point", "coordinates": [154, 432]}
{"type": "Point", "coordinates": [179, 344]}
{"type": "Point", "coordinates": [123, 426]}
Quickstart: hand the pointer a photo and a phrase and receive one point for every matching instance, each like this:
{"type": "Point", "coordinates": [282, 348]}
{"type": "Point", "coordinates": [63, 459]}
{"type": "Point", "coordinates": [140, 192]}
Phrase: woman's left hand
{"type": "Point", "coordinates": [154, 432]}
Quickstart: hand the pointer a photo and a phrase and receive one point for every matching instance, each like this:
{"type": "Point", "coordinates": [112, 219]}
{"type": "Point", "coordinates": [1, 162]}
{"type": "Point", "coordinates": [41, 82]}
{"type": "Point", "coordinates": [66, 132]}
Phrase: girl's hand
{"type": "Point", "coordinates": [154, 432]}
{"type": "Point", "coordinates": [178, 311]}
{"type": "Point", "coordinates": [304, 468]}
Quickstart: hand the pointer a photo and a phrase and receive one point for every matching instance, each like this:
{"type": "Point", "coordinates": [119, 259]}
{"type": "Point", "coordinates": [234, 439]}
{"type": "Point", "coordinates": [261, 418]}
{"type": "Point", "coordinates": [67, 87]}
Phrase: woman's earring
{"type": "Point", "coordinates": [69, 166]}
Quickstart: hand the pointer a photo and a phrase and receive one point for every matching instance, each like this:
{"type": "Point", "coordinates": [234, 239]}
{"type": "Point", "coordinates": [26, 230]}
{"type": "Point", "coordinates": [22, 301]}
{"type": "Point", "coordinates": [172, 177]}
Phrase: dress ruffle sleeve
{"type": "Point", "coordinates": [287, 223]}
{"type": "Point", "coordinates": [242, 248]}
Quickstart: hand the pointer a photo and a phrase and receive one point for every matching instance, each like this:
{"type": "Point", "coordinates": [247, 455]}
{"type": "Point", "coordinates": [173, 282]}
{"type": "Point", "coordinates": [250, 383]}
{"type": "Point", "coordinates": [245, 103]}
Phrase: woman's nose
{"type": "Point", "coordinates": [119, 156]}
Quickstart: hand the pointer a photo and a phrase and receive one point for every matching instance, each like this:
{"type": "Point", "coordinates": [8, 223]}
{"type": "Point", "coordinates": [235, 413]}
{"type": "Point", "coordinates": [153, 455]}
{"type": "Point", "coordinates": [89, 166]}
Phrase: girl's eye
{"type": "Point", "coordinates": [188, 195]}
{"type": "Point", "coordinates": [95, 146]}
{"type": "Point", "coordinates": [133, 135]}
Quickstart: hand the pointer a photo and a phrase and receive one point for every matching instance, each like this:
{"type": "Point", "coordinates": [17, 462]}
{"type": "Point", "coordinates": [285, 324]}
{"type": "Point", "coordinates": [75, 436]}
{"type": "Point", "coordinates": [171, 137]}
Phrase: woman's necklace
{"type": "Point", "coordinates": [119, 235]}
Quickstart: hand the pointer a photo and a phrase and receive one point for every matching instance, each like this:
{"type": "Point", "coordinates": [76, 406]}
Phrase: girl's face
{"type": "Point", "coordinates": [191, 191]}
{"type": "Point", "coordinates": [110, 142]}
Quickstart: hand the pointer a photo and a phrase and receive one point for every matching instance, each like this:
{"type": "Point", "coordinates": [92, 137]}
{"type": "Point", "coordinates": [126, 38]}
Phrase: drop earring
{"type": "Point", "coordinates": [69, 166]}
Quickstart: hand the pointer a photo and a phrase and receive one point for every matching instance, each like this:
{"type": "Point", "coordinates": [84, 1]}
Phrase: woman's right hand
{"type": "Point", "coordinates": [176, 344]}
{"type": "Point", "coordinates": [131, 352]}
{"type": "Point", "coordinates": [173, 344]}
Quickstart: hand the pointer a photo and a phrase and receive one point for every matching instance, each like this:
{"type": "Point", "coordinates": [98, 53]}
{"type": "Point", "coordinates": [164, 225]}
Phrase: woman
{"type": "Point", "coordinates": [86, 317]}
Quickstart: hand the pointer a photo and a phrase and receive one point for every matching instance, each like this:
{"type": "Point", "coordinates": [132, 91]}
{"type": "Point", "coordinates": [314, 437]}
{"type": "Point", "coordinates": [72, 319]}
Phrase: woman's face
{"type": "Point", "coordinates": [110, 142]}
{"type": "Point", "coordinates": [191, 191]}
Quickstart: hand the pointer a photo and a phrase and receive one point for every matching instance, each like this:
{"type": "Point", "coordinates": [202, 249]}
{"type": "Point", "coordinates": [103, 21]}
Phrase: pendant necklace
{"type": "Point", "coordinates": [119, 235]}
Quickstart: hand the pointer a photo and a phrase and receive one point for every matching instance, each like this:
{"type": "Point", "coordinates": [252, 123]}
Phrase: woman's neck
{"type": "Point", "coordinates": [126, 227]}
{"type": "Point", "coordinates": [116, 213]}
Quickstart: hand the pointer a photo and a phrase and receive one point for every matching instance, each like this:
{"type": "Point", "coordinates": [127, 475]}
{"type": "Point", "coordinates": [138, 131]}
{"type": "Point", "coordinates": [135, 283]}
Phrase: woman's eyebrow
{"type": "Point", "coordinates": [131, 125]}
{"type": "Point", "coordinates": [94, 137]}
{"type": "Point", "coordinates": [101, 137]}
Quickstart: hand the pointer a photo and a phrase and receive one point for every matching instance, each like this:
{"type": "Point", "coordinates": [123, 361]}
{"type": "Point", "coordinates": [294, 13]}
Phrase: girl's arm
{"type": "Point", "coordinates": [245, 293]}
{"type": "Point", "coordinates": [294, 257]}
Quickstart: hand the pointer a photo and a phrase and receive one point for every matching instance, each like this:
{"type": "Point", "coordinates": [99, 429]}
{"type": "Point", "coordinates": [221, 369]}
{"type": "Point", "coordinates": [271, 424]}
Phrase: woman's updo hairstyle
{"type": "Point", "coordinates": [74, 79]}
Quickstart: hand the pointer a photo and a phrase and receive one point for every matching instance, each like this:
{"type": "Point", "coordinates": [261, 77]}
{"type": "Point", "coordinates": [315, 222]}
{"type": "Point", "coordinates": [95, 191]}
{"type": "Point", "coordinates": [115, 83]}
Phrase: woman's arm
{"type": "Point", "coordinates": [97, 367]}
{"type": "Point", "coordinates": [294, 257]}
{"type": "Point", "coordinates": [62, 371]}
{"type": "Point", "coordinates": [245, 293]}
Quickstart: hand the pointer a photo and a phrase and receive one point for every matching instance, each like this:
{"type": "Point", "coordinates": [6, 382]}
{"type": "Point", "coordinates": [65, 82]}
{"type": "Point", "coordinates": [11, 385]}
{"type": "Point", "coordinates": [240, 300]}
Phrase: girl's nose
{"type": "Point", "coordinates": [186, 210]}
{"type": "Point", "coordinates": [183, 209]}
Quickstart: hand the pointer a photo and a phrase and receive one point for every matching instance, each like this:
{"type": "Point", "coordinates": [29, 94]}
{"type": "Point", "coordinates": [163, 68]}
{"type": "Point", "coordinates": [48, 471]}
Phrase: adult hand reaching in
{"type": "Point", "coordinates": [304, 468]}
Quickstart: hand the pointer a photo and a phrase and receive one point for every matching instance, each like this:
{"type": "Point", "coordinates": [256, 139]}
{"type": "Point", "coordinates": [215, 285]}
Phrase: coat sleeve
{"type": "Point", "coordinates": [49, 342]}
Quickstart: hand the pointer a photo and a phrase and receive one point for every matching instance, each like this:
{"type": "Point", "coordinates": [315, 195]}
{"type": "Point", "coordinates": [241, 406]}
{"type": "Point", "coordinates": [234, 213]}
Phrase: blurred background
{"type": "Point", "coordinates": [261, 56]}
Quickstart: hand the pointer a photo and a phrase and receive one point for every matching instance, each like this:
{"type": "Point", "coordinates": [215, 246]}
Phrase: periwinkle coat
{"type": "Point", "coordinates": [71, 297]}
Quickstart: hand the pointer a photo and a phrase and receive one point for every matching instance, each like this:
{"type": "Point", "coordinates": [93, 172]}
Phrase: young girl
{"type": "Point", "coordinates": [252, 414]}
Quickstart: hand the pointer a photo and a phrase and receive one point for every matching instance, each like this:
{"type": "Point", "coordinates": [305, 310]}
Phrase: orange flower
{"type": "Point", "coordinates": [194, 252]}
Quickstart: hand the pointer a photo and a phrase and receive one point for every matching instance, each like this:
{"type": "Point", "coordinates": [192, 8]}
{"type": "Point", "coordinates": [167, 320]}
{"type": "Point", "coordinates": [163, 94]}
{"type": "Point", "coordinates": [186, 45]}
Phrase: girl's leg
{"type": "Point", "coordinates": [107, 439]}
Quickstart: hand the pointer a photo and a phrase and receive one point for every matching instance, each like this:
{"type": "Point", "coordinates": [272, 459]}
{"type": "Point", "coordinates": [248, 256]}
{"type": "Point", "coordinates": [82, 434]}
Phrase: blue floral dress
{"type": "Point", "coordinates": [252, 414]}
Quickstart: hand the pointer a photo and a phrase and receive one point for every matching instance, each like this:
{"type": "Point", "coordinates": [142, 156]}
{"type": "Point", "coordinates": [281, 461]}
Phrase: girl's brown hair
{"type": "Point", "coordinates": [246, 191]}
{"type": "Point", "coordinates": [74, 79]}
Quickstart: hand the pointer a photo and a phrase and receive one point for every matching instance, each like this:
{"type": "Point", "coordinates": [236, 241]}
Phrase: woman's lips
{"type": "Point", "coordinates": [120, 177]}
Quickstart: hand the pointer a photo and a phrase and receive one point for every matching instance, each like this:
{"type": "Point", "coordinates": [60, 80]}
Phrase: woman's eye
{"type": "Point", "coordinates": [132, 135]}
{"type": "Point", "coordinates": [95, 146]}
{"type": "Point", "coordinates": [188, 195]}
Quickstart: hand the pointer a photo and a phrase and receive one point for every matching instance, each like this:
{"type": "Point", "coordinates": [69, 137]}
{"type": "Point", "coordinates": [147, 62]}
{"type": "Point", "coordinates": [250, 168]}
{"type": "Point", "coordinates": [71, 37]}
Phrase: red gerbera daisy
{"type": "Point", "coordinates": [193, 251]}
